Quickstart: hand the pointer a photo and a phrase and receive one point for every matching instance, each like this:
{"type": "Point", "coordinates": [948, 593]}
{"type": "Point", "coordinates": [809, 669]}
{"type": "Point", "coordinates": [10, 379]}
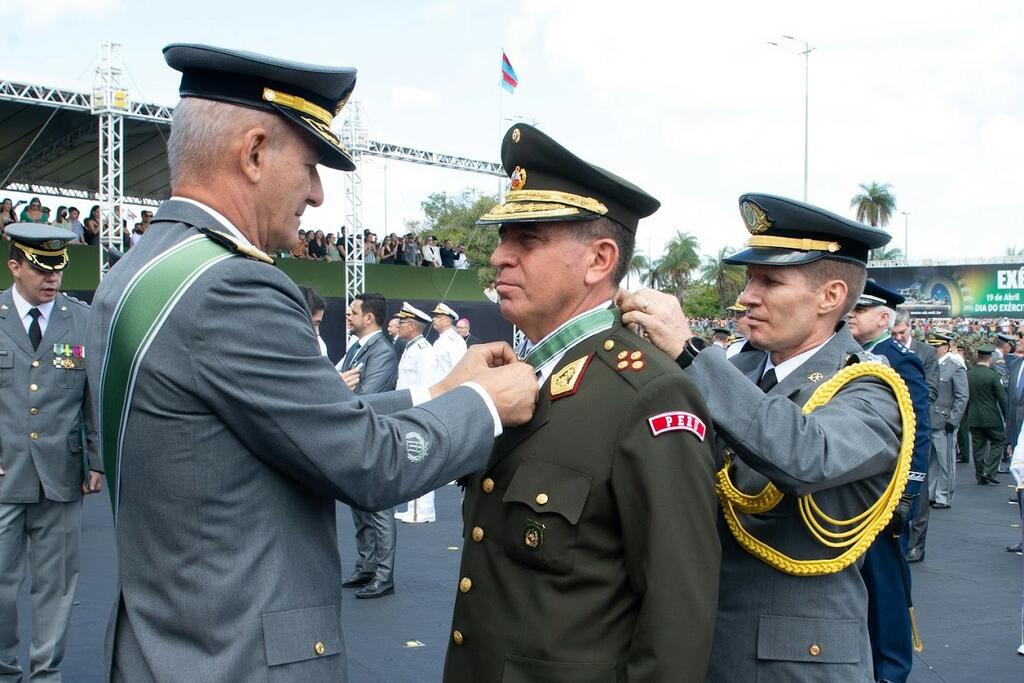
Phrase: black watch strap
{"type": "Point", "coordinates": [693, 346]}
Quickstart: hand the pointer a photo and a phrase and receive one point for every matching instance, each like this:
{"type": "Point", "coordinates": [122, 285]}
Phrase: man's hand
{"type": "Point", "coordinates": [901, 515]}
{"type": "Point", "coordinates": [478, 358]}
{"type": "Point", "coordinates": [513, 388]}
{"type": "Point", "coordinates": [662, 318]}
{"type": "Point", "coordinates": [351, 378]}
{"type": "Point", "coordinates": [95, 483]}
{"type": "Point", "coordinates": [949, 427]}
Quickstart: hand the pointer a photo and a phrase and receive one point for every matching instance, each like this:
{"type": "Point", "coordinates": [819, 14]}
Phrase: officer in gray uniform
{"type": "Point", "coordinates": [788, 609]}
{"type": "Point", "coordinates": [227, 436]}
{"type": "Point", "coordinates": [48, 451]}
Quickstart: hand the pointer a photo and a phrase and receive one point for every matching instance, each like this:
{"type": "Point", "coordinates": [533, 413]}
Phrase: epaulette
{"type": "Point", "coordinates": [75, 300]}
{"type": "Point", "coordinates": [863, 357]}
{"type": "Point", "coordinates": [232, 243]}
{"type": "Point", "coordinates": [634, 359]}
{"type": "Point", "coordinates": [422, 344]}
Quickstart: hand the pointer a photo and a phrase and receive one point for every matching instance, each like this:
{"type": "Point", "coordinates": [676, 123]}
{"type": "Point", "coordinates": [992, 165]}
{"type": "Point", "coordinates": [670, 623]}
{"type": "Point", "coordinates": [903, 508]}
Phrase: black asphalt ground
{"type": "Point", "coordinates": [967, 591]}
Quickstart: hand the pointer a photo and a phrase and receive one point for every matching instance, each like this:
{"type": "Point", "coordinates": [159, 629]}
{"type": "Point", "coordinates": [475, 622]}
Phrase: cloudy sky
{"type": "Point", "coordinates": [686, 99]}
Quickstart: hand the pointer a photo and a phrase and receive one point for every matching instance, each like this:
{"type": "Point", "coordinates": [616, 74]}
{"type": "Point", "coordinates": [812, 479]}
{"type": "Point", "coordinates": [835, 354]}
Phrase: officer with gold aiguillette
{"type": "Point", "coordinates": [48, 450]}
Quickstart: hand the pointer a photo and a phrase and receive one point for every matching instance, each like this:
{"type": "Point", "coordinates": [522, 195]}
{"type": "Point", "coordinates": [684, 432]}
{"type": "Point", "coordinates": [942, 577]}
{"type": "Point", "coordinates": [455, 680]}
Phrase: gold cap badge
{"type": "Point", "coordinates": [755, 218]}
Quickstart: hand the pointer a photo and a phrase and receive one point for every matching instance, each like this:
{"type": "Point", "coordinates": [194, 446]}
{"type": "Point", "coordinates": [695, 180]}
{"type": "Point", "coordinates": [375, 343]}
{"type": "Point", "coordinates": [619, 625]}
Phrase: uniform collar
{"type": "Point", "coordinates": [23, 307]}
{"type": "Point", "coordinates": [790, 364]}
{"type": "Point", "coordinates": [235, 232]}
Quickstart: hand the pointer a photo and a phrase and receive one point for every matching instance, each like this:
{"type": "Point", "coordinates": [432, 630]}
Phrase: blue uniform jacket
{"type": "Point", "coordinates": [911, 369]}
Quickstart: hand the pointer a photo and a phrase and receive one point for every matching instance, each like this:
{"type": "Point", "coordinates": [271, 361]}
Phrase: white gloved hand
{"type": "Point", "coordinates": [1017, 469]}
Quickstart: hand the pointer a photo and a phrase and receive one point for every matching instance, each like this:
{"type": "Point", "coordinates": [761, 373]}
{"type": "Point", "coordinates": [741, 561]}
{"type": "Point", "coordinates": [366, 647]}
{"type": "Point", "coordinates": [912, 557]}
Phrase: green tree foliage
{"type": "Point", "coordinates": [673, 271]}
{"type": "Point", "coordinates": [453, 217]}
{"type": "Point", "coordinates": [727, 280]}
{"type": "Point", "coordinates": [701, 301]}
{"type": "Point", "coordinates": [640, 267]}
{"type": "Point", "coordinates": [875, 204]}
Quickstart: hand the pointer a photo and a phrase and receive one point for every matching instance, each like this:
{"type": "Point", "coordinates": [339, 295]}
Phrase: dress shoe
{"type": "Point", "coordinates": [982, 481]}
{"type": "Point", "coordinates": [915, 555]}
{"type": "Point", "coordinates": [940, 506]}
{"type": "Point", "coordinates": [409, 519]}
{"type": "Point", "coordinates": [1013, 548]}
{"type": "Point", "coordinates": [357, 580]}
{"type": "Point", "coordinates": [992, 479]}
{"type": "Point", "coordinates": [376, 589]}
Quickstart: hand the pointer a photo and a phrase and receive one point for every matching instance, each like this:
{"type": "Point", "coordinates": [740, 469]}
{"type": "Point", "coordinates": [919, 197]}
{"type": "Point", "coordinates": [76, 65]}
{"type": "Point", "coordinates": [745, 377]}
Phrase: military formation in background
{"type": "Point", "coordinates": [641, 502]}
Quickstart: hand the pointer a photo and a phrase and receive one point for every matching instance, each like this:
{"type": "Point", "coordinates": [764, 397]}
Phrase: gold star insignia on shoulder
{"type": "Point", "coordinates": [566, 381]}
{"type": "Point", "coordinates": [609, 344]}
{"type": "Point", "coordinates": [815, 376]}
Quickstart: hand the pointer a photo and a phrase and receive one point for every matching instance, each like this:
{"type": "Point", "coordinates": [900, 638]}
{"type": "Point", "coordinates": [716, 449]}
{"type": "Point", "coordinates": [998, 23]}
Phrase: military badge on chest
{"type": "Point", "coordinates": [566, 381]}
{"type": "Point", "coordinates": [69, 356]}
{"type": "Point", "coordinates": [533, 536]}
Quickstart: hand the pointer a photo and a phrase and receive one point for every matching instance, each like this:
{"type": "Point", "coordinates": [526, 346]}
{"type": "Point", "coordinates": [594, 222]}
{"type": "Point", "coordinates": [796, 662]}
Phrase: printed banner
{"type": "Point", "coordinates": [967, 291]}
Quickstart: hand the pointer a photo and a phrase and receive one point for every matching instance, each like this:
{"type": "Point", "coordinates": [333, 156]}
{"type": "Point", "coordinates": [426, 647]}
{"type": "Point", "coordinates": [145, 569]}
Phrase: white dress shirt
{"type": "Point", "coordinates": [23, 307]}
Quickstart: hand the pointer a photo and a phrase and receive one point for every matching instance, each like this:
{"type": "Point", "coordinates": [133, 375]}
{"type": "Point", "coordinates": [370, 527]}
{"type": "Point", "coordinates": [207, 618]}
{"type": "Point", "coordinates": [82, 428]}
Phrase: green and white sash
{"type": "Point", "coordinates": [570, 334]}
{"type": "Point", "coordinates": [145, 304]}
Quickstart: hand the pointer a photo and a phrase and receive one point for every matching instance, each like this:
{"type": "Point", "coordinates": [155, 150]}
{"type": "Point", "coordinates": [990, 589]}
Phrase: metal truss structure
{"type": "Point", "coordinates": [109, 101]}
{"type": "Point", "coordinates": [112, 106]}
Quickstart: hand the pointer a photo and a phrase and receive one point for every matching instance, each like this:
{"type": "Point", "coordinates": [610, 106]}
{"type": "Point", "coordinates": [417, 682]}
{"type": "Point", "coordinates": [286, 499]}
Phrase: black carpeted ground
{"type": "Point", "coordinates": [967, 591]}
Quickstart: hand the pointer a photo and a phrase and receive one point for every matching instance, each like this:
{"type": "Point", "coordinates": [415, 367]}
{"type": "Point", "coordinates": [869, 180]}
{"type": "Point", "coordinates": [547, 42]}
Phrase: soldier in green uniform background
{"type": "Point", "coordinates": [985, 410]}
{"type": "Point", "coordinates": [590, 544]}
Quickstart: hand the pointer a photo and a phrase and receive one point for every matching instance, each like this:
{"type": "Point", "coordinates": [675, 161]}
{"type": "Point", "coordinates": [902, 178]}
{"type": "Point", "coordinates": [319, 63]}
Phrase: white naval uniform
{"type": "Point", "coordinates": [449, 348]}
{"type": "Point", "coordinates": [419, 367]}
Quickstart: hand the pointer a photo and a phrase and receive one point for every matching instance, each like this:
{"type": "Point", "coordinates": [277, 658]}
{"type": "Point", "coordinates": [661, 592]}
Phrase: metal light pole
{"type": "Point", "coordinates": [906, 234]}
{"type": "Point", "coordinates": [806, 52]}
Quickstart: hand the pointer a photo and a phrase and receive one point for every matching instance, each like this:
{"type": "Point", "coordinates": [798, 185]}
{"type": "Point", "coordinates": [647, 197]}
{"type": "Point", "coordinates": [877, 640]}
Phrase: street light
{"type": "Point", "coordinates": [906, 235]}
{"type": "Point", "coordinates": [806, 52]}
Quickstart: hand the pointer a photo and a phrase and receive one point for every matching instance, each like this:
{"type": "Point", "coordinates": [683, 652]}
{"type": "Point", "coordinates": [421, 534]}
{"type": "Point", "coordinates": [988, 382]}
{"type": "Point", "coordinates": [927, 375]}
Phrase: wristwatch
{"type": "Point", "coordinates": [691, 348]}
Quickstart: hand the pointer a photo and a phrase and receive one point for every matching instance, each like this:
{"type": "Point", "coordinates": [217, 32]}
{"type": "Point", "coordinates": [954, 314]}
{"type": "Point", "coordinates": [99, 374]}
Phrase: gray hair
{"type": "Point", "coordinates": [902, 317]}
{"type": "Point", "coordinates": [605, 228]}
{"type": "Point", "coordinates": [890, 317]}
{"type": "Point", "coordinates": [202, 129]}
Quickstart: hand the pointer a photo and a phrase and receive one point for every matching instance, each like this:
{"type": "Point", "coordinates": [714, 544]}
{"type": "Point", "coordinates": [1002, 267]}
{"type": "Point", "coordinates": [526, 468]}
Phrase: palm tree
{"type": "Point", "coordinates": [640, 265]}
{"type": "Point", "coordinates": [727, 280]}
{"type": "Point", "coordinates": [883, 254]}
{"type": "Point", "coordinates": [672, 271]}
{"type": "Point", "coordinates": [875, 205]}
{"type": "Point", "coordinates": [1015, 251]}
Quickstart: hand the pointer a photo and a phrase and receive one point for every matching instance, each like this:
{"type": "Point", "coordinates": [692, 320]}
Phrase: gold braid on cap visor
{"type": "Point", "coordinates": [298, 104]}
{"type": "Point", "coordinates": [793, 243]}
{"type": "Point", "coordinates": [544, 204]}
{"type": "Point", "coordinates": [32, 254]}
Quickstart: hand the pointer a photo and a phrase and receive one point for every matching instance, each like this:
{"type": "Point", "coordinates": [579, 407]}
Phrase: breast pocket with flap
{"type": "Point", "coordinates": [543, 505]}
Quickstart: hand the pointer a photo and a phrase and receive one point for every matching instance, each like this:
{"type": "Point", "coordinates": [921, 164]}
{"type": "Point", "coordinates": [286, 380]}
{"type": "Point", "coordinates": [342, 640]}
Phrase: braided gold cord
{"type": "Point", "coordinates": [866, 526]}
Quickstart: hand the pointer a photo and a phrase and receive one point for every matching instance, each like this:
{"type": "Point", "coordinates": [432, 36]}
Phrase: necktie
{"type": "Point", "coordinates": [35, 332]}
{"type": "Point", "coordinates": [352, 351]}
{"type": "Point", "coordinates": [768, 380]}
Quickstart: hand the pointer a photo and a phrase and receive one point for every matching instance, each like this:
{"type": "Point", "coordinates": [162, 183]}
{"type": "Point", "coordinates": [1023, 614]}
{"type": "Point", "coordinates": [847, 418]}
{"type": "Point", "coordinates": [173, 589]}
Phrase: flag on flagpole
{"type": "Point", "coordinates": [508, 74]}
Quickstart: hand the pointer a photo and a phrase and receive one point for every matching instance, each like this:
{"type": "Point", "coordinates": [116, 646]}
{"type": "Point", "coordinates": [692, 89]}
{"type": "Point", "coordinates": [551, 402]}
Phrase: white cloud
{"type": "Point", "coordinates": [33, 15]}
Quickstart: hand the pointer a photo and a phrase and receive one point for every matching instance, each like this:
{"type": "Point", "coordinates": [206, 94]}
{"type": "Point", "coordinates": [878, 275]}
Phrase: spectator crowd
{"type": "Point", "coordinates": [86, 231]}
{"type": "Point", "coordinates": [410, 250]}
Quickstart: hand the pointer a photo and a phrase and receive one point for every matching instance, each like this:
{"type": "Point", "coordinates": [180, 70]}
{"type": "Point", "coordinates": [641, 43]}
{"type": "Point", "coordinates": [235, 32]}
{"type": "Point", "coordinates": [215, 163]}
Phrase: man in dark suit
{"type": "Point", "coordinates": [1015, 393]}
{"type": "Point", "coordinates": [985, 410]}
{"type": "Point", "coordinates": [778, 620]}
{"type": "Point", "coordinates": [48, 447]}
{"type": "Point", "coordinates": [590, 551]}
{"type": "Point", "coordinates": [227, 436]}
{"type": "Point", "coordinates": [374, 357]}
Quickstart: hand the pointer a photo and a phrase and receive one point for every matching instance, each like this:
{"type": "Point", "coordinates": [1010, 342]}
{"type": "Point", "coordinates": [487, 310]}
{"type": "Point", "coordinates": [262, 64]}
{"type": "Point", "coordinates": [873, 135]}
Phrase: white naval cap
{"type": "Point", "coordinates": [444, 309]}
{"type": "Point", "coordinates": [410, 311]}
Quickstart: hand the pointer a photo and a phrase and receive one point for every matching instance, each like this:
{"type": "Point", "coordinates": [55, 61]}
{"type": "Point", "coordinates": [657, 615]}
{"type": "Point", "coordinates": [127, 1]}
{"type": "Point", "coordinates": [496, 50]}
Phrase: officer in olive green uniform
{"type": "Point", "coordinates": [985, 410]}
{"type": "Point", "coordinates": [590, 544]}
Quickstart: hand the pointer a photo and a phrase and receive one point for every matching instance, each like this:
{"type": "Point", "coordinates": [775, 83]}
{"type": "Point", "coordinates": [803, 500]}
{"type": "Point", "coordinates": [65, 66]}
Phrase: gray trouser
{"type": "Point", "coordinates": [942, 467]}
{"type": "Point", "coordinates": [376, 533]}
{"type": "Point", "coordinates": [50, 532]}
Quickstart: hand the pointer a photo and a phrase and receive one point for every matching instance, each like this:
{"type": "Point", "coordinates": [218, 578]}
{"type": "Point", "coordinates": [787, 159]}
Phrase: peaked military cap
{"type": "Point", "coordinates": [550, 183]}
{"type": "Point", "coordinates": [785, 232]}
{"type": "Point", "coordinates": [444, 309]}
{"type": "Point", "coordinates": [721, 330]}
{"type": "Point", "coordinates": [410, 311]}
{"type": "Point", "coordinates": [940, 337]}
{"type": "Point", "coordinates": [44, 246]}
{"type": "Point", "coordinates": [985, 350]}
{"type": "Point", "coordinates": [308, 95]}
{"type": "Point", "coordinates": [736, 307]}
{"type": "Point", "coordinates": [1008, 338]}
{"type": "Point", "coordinates": [877, 295]}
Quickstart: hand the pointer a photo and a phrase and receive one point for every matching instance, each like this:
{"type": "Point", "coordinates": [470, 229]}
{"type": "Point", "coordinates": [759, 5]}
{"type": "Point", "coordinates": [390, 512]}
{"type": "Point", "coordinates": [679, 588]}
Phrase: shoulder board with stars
{"type": "Point", "coordinates": [566, 381]}
{"type": "Point", "coordinates": [229, 241]}
{"type": "Point", "coordinates": [422, 343]}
